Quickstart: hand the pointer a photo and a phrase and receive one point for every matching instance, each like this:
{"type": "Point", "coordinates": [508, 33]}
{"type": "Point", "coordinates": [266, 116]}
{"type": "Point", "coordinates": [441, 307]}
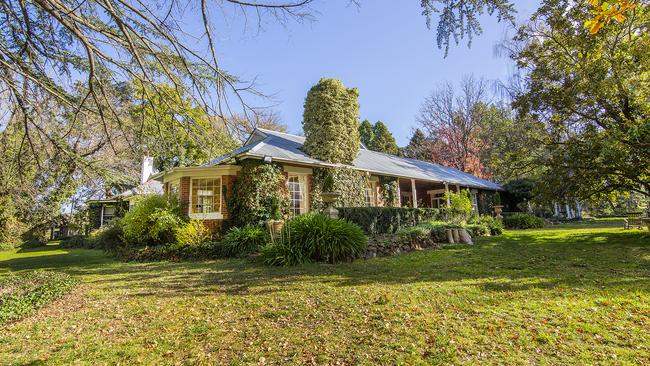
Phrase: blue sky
{"type": "Point", "coordinates": [381, 48]}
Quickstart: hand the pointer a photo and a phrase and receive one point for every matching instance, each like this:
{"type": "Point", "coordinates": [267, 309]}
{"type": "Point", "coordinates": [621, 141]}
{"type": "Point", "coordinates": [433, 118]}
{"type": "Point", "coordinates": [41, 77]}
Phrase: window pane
{"type": "Point", "coordinates": [297, 195]}
{"type": "Point", "coordinates": [206, 195]}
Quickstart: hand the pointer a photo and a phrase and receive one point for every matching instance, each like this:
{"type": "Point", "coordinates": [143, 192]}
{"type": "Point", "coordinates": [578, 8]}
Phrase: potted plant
{"type": "Point", "coordinates": [497, 207]}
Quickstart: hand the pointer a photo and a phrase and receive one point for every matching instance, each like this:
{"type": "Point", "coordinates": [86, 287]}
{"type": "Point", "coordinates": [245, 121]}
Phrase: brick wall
{"type": "Point", "coordinates": [184, 194]}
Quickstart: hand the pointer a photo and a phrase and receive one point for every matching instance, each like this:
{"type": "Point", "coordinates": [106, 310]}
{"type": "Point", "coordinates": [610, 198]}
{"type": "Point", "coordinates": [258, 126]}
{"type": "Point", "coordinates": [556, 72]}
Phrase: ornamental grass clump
{"type": "Point", "coordinates": [316, 238]}
{"type": "Point", "coordinates": [240, 242]}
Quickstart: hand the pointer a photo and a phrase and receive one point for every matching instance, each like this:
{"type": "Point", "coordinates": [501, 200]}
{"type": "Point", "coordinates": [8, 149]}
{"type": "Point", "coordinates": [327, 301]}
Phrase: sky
{"type": "Point", "coordinates": [384, 50]}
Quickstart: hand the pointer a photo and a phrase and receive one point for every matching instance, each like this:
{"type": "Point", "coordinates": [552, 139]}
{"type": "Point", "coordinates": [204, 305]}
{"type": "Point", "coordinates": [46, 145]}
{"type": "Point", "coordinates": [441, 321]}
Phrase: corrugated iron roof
{"type": "Point", "coordinates": [287, 147]}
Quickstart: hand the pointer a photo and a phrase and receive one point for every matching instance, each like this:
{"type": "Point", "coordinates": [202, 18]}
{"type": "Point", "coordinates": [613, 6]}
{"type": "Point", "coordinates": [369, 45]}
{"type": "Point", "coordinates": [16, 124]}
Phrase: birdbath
{"type": "Point", "coordinates": [328, 199]}
{"type": "Point", "coordinates": [498, 209]}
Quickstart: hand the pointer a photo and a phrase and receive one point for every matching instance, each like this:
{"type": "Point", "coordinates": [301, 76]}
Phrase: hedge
{"type": "Point", "coordinates": [388, 220]}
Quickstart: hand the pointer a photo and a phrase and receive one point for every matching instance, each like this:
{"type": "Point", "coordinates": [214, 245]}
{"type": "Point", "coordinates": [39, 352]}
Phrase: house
{"type": "Point", "coordinates": [204, 190]}
{"type": "Point", "coordinates": [102, 211]}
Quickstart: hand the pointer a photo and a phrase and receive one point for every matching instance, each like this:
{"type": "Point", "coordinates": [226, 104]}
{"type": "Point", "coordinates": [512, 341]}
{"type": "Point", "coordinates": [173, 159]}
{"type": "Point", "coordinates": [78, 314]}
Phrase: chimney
{"type": "Point", "coordinates": [147, 169]}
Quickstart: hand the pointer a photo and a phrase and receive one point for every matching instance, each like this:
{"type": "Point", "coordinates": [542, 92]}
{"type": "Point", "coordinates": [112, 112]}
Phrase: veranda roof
{"type": "Point", "coordinates": [286, 147]}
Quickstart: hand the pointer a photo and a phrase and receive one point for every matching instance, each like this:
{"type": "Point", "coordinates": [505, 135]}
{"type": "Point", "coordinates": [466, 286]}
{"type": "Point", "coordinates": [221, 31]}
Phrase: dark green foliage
{"type": "Point", "coordinates": [477, 230]}
{"type": "Point", "coordinates": [11, 228]}
{"type": "Point", "coordinates": [109, 237]}
{"type": "Point", "coordinates": [259, 194]}
{"type": "Point", "coordinates": [519, 192]}
{"type": "Point", "coordinates": [366, 133]}
{"type": "Point", "coordinates": [74, 241]}
{"type": "Point", "coordinates": [153, 221]}
{"type": "Point", "coordinates": [387, 220]}
{"type": "Point", "coordinates": [331, 122]}
{"type": "Point", "coordinates": [522, 221]}
{"type": "Point", "coordinates": [383, 140]}
{"type": "Point", "coordinates": [36, 236]}
{"type": "Point", "coordinates": [495, 226]}
{"type": "Point", "coordinates": [24, 293]}
{"type": "Point", "coordinates": [315, 237]}
{"type": "Point", "coordinates": [419, 147]}
{"type": "Point", "coordinates": [389, 187]}
{"type": "Point", "coordinates": [240, 242]}
{"type": "Point", "coordinates": [201, 251]}
{"type": "Point", "coordinates": [350, 183]}
{"type": "Point", "coordinates": [414, 235]}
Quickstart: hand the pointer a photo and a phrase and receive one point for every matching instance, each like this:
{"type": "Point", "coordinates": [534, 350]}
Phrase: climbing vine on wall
{"type": "Point", "coordinates": [259, 194]}
{"type": "Point", "coordinates": [350, 183]}
{"type": "Point", "coordinates": [389, 187]}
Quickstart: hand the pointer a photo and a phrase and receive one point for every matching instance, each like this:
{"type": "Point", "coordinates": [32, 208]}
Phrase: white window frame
{"type": "Point", "coordinates": [206, 216]}
{"type": "Point", "coordinates": [103, 220]}
{"type": "Point", "coordinates": [474, 193]}
{"type": "Point", "coordinates": [438, 196]}
{"type": "Point", "coordinates": [304, 183]}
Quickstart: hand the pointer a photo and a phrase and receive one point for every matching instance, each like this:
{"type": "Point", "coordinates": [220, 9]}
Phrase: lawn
{"type": "Point", "coordinates": [571, 294]}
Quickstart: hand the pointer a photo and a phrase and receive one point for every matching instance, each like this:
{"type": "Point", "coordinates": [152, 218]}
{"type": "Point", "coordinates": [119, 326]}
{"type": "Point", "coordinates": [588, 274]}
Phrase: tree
{"type": "Point", "coordinates": [331, 122]}
{"type": "Point", "coordinates": [366, 133]}
{"type": "Point", "coordinates": [383, 140]}
{"type": "Point", "coordinates": [453, 123]}
{"type": "Point", "coordinates": [419, 147]}
{"type": "Point", "coordinates": [242, 125]}
{"type": "Point", "coordinates": [188, 135]}
{"type": "Point", "coordinates": [459, 19]}
{"type": "Point", "coordinates": [590, 94]}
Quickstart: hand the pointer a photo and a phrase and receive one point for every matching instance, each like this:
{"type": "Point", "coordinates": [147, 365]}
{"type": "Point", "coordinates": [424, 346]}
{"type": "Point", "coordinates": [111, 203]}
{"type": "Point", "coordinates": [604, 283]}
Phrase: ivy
{"type": "Point", "coordinates": [389, 187]}
{"type": "Point", "coordinates": [259, 194]}
{"type": "Point", "coordinates": [331, 122]}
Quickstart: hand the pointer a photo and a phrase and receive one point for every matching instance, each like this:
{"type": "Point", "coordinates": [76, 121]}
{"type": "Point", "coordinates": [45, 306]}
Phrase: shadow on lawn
{"type": "Point", "coordinates": [615, 261]}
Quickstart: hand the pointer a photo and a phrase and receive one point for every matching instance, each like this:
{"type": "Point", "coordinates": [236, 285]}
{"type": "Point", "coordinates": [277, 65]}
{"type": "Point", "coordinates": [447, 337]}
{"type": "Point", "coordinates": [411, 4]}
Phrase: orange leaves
{"type": "Point", "coordinates": [605, 11]}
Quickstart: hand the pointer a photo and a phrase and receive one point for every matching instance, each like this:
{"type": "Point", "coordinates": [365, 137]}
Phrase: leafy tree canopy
{"type": "Point", "coordinates": [590, 92]}
{"type": "Point", "coordinates": [419, 147]}
{"type": "Point", "coordinates": [383, 140]}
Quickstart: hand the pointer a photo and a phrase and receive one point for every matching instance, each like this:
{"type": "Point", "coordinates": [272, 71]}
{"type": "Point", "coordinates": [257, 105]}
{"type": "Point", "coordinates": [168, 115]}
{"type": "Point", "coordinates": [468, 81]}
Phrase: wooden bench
{"type": "Point", "coordinates": [634, 220]}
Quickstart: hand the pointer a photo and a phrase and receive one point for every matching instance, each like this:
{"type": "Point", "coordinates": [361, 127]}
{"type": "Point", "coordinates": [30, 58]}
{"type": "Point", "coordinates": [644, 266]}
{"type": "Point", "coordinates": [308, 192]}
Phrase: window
{"type": "Point", "coordinates": [371, 195]}
{"type": "Point", "coordinates": [438, 199]}
{"type": "Point", "coordinates": [206, 195]}
{"type": "Point", "coordinates": [475, 200]}
{"type": "Point", "coordinates": [108, 213]}
{"type": "Point", "coordinates": [297, 194]}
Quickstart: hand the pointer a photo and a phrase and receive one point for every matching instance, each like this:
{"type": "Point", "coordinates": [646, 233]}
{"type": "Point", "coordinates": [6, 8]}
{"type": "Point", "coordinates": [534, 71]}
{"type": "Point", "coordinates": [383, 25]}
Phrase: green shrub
{"type": "Point", "coordinates": [154, 220]}
{"type": "Point", "coordinates": [314, 237]}
{"type": "Point", "coordinates": [108, 237]}
{"type": "Point", "coordinates": [243, 241]}
{"type": "Point", "coordinates": [495, 225]}
{"type": "Point", "coordinates": [522, 221]}
{"type": "Point", "coordinates": [284, 253]}
{"type": "Point", "coordinates": [22, 294]}
{"type": "Point", "coordinates": [415, 234]}
{"type": "Point", "coordinates": [74, 241]}
{"type": "Point", "coordinates": [477, 230]}
{"type": "Point", "coordinates": [460, 205]}
{"type": "Point", "coordinates": [389, 220]}
{"type": "Point", "coordinates": [192, 233]}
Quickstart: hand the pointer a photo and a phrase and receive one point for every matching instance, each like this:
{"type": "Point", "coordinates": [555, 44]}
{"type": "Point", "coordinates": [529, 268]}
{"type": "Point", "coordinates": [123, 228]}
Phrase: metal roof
{"type": "Point", "coordinates": [286, 147]}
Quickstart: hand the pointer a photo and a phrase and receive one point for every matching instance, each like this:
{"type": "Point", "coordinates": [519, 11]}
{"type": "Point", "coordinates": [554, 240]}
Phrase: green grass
{"type": "Point", "coordinates": [571, 294]}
